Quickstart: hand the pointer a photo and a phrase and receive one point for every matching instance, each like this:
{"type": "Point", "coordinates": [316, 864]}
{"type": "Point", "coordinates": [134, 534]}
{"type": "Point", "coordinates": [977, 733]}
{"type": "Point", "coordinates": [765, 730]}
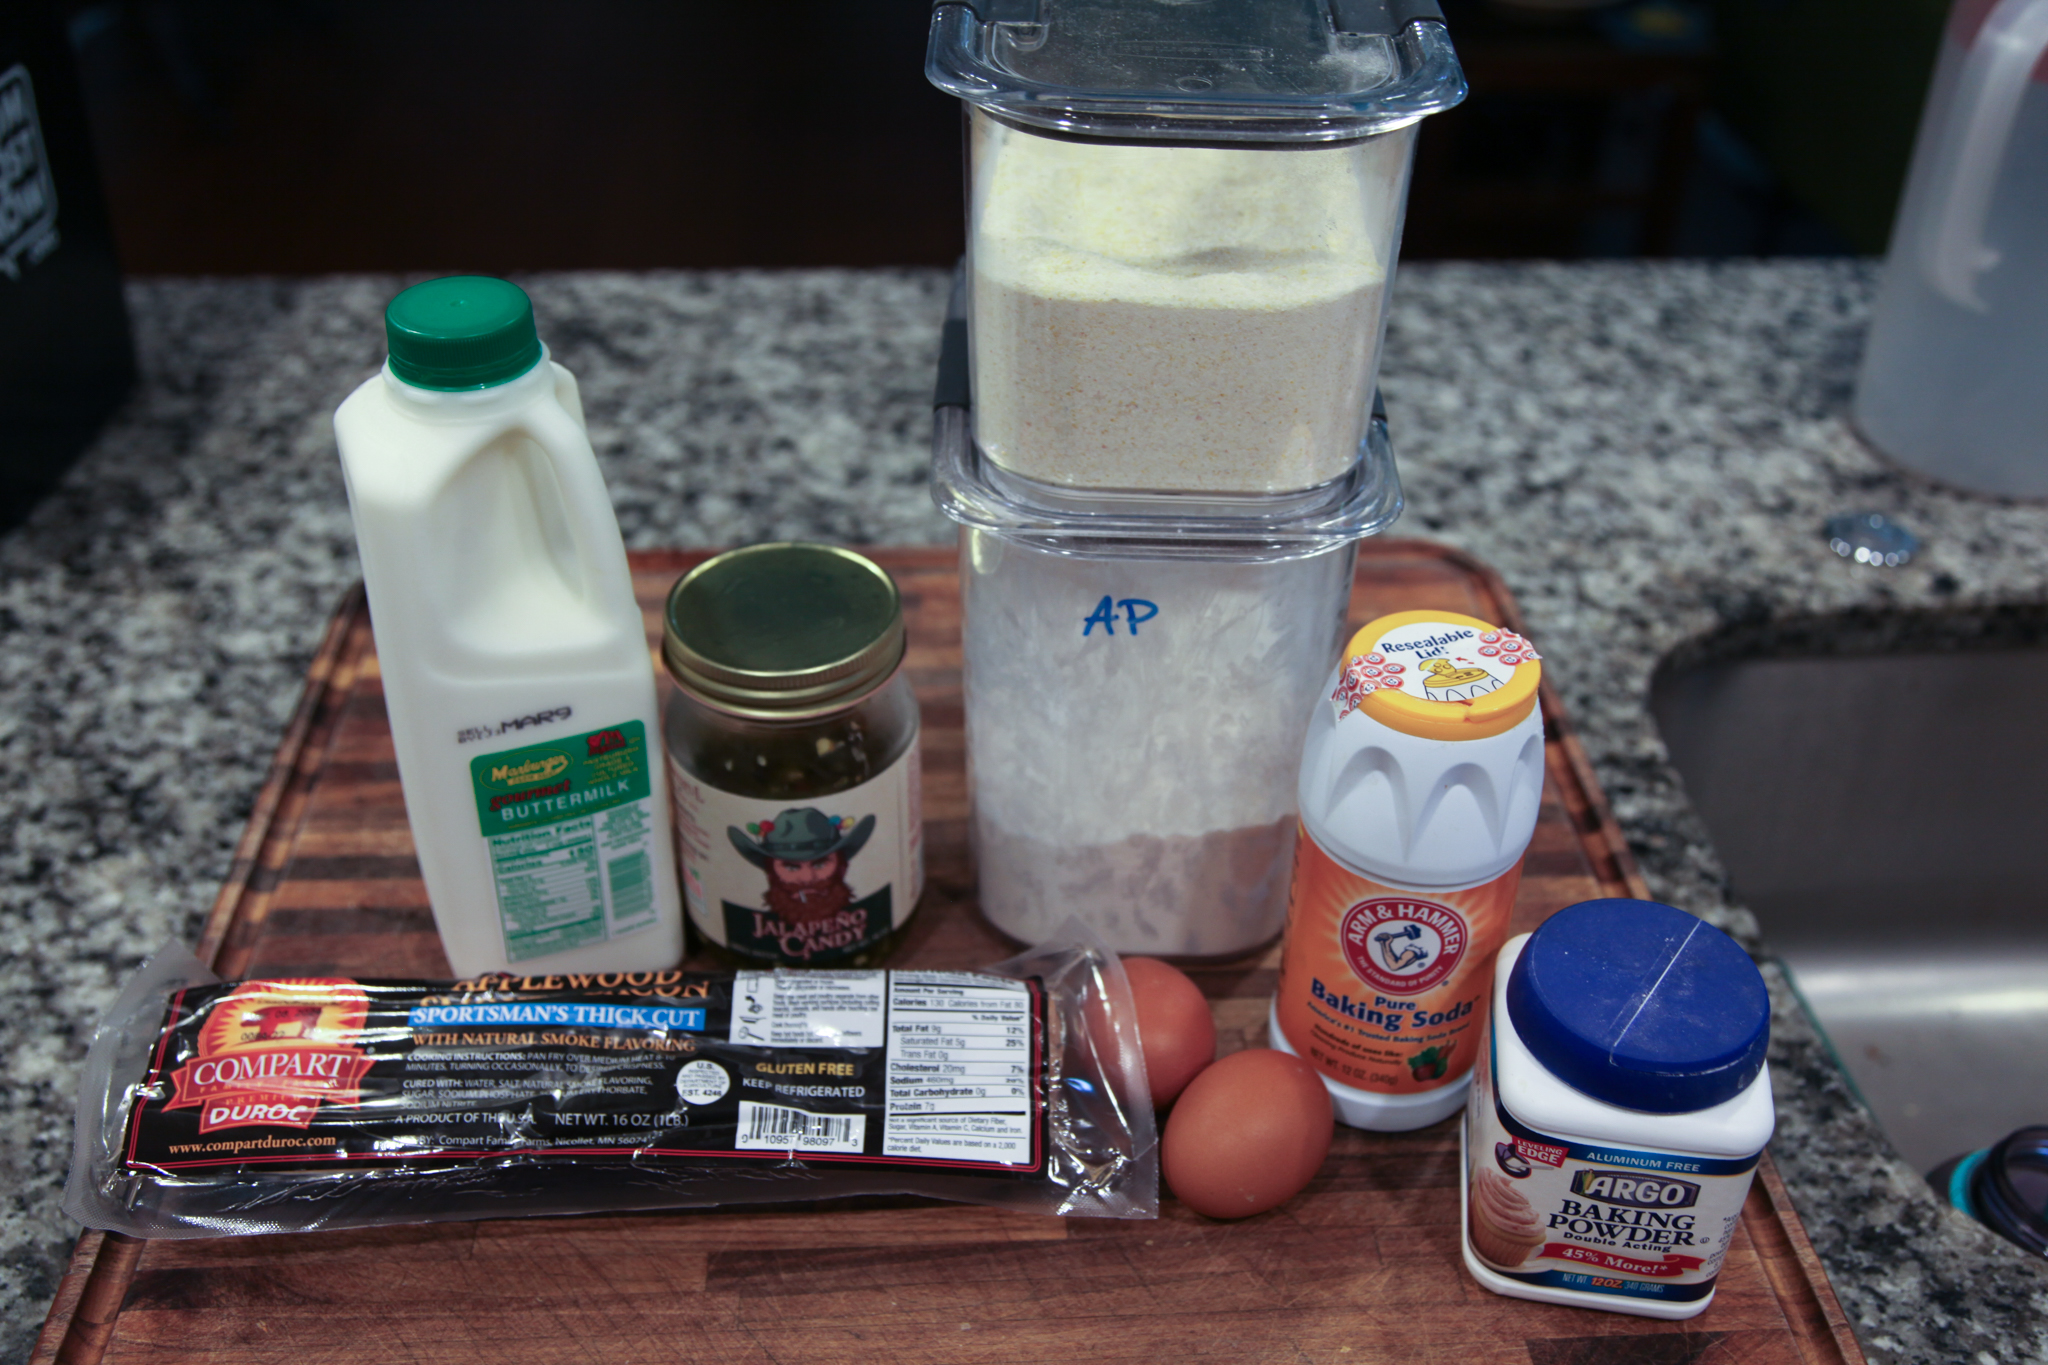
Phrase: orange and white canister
{"type": "Point", "coordinates": [1420, 783]}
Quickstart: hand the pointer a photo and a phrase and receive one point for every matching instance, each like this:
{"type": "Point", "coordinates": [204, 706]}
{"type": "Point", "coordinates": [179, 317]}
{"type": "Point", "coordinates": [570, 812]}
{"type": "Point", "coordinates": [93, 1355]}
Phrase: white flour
{"type": "Point", "coordinates": [1143, 782]}
{"type": "Point", "coordinates": [1178, 318]}
{"type": "Point", "coordinates": [1214, 895]}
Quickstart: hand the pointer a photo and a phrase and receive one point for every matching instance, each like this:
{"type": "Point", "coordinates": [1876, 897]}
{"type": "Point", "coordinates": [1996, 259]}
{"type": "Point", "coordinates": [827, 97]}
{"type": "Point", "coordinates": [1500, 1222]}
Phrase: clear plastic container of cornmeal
{"type": "Point", "coordinates": [1182, 225]}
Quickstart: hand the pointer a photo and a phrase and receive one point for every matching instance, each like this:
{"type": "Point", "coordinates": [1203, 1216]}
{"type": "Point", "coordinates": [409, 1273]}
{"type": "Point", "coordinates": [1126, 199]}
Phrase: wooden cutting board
{"type": "Point", "coordinates": [1361, 1267]}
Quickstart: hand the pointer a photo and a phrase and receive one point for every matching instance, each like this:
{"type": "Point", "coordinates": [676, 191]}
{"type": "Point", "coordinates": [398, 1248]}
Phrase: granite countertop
{"type": "Point", "coordinates": [1645, 451]}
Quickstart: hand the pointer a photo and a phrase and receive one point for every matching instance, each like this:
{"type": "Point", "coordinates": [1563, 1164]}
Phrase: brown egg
{"type": "Point", "coordinates": [1247, 1135]}
{"type": "Point", "coordinates": [1175, 1029]}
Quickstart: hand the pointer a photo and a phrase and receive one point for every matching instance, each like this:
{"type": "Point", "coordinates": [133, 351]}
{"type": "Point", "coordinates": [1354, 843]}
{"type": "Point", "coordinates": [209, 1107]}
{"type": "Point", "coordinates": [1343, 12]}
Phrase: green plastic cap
{"type": "Point", "coordinates": [462, 332]}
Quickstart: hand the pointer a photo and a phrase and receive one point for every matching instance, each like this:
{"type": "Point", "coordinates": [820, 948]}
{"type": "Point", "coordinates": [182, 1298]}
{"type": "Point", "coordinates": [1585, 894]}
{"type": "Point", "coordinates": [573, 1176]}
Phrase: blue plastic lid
{"type": "Point", "coordinates": [1641, 1005]}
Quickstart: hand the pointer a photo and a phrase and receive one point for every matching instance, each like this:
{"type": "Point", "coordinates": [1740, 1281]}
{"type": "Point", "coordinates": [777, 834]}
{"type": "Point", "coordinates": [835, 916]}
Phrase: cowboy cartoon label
{"type": "Point", "coordinates": [1551, 1211]}
{"type": "Point", "coordinates": [1386, 989]}
{"type": "Point", "coordinates": [571, 829]}
{"type": "Point", "coordinates": [802, 885]}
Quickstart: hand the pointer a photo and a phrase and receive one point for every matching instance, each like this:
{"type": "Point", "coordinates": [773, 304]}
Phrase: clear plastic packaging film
{"type": "Point", "coordinates": [289, 1104]}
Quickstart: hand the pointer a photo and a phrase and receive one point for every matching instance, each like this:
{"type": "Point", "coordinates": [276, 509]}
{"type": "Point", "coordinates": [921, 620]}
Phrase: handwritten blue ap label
{"type": "Point", "coordinates": [1136, 611]}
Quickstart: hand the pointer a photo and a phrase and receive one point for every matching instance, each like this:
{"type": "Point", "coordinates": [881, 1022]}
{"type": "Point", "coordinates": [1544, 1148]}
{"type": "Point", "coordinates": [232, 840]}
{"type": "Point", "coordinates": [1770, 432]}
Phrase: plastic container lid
{"type": "Point", "coordinates": [1440, 675]}
{"type": "Point", "coordinates": [461, 332]}
{"type": "Point", "coordinates": [783, 631]}
{"type": "Point", "coordinates": [1641, 1005]}
{"type": "Point", "coordinates": [1250, 528]}
{"type": "Point", "coordinates": [2005, 1187]}
{"type": "Point", "coordinates": [1217, 71]}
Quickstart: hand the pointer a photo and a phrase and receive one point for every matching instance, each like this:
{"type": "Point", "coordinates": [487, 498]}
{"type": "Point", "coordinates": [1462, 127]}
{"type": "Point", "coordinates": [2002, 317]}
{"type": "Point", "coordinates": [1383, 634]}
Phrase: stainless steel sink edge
{"type": "Point", "coordinates": [1876, 811]}
{"type": "Point", "coordinates": [1820, 1033]}
{"type": "Point", "coordinates": [1878, 1225]}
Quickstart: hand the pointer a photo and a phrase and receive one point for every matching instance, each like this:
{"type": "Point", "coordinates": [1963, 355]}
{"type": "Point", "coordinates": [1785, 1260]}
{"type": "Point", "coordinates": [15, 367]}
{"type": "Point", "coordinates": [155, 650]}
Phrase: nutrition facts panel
{"type": "Point", "coordinates": [548, 892]}
{"type": "Point", "coordinates": [959, 1067]}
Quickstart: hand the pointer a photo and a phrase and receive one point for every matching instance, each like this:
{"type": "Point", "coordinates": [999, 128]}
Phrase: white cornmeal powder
{"type": "Point", "coordinates": [1143, 782]}
{"type": "Point", "coordinates": [1178, 318]}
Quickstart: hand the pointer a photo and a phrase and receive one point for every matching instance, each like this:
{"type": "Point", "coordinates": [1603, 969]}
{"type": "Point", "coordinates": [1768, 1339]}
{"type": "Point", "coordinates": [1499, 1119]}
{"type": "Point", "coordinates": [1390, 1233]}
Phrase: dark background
{"type": "Point", "coordinates": [240, 136]}
{"type": "Point", "coordinates": [237, 137]}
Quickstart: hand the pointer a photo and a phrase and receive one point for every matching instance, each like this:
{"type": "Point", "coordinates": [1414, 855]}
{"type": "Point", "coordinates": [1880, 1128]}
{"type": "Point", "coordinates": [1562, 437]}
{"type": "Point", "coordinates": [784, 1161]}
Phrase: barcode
{"type": "Point", "coordinates": [632, 888]}
{"type": "Point", "coordinates": [771, 1127]}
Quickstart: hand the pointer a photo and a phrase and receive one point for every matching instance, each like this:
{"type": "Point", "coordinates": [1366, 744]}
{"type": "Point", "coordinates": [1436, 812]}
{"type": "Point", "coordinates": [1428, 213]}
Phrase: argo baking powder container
{"type": "Point", "coordinates": [1420, 782]}
{"type": "Point", "coordinates": [1619, 1112]}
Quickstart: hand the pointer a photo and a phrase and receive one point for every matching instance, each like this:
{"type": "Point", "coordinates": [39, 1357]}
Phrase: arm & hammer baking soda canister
{"type": "Point", "coordinates": [1420, 782]}
{"type": "Point", "coordinates": [515, 667]}
{"type": "Point", "coordinates": [1619, 1113]}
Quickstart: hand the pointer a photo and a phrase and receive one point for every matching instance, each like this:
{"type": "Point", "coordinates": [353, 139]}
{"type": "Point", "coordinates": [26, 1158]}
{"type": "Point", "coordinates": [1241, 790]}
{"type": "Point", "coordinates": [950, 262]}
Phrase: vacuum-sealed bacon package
{"type": "Point", "coordinates": [292, 1103]}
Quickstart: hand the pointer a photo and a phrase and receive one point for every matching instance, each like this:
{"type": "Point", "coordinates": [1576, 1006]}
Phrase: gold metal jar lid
{"type": "Point", "coordinates": [783, 631]}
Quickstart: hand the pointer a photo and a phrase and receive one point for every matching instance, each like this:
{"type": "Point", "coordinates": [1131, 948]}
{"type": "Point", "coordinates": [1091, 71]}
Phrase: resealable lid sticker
{"type": "Point", "coordinates": [1225, 70]}
{"type": "Point", "coordinates": [1439, 675]}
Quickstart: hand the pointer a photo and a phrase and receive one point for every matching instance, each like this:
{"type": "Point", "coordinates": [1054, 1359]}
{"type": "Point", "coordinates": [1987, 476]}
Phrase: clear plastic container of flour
{"type": "Point", "coordinates": [1138, 668]}
{"type": "Point", "coordinates": [1133, 716]}
{"type": "Point", "coordinates": [1182, 224]}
